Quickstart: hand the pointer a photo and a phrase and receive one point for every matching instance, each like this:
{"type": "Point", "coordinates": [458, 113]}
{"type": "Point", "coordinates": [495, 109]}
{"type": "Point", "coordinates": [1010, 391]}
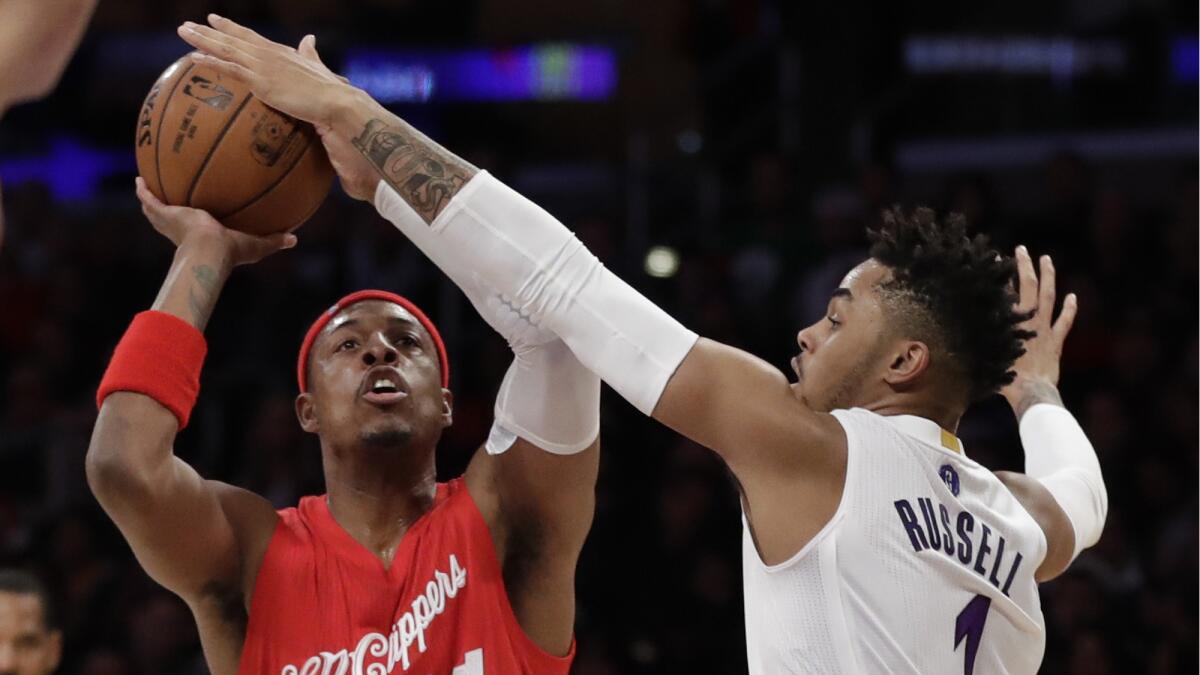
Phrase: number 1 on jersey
{"type": "Point", "coordinates": [472, 663]}
{"type": "Point", "coordinates": [969, 625]}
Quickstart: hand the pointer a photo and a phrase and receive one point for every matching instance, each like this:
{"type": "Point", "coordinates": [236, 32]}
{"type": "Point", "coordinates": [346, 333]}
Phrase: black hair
{"type": "Point", "coordinates": [21, 582]}
{"type": "Point", "coordinates": [954, 290]}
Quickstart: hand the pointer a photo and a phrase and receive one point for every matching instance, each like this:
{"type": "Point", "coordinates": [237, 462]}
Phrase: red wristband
{"type": "Point", "coordinates": [159, 356]}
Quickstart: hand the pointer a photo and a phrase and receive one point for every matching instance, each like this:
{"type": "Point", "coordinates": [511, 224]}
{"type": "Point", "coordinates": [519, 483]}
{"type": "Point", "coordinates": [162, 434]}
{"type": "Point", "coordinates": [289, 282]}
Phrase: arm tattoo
{"type": "Point", "coordinates": [202, 303]}
{"type": "Point", "coordinates": [426, 175]}
{"type": "Point", "coordinates": [1032, 393]}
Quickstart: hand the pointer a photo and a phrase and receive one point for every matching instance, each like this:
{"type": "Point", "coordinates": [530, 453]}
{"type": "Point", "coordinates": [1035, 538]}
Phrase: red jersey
{"type": "Point", "coordinates": [324, 605]}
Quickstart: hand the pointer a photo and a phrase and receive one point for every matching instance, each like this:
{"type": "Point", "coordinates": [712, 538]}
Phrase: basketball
{"type": "Point", "coordinates": [204, 141]}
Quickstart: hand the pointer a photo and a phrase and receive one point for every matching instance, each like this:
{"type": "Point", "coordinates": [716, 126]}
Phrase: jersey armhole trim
{"type": "Point", "coordinates": [512, 625]}
{"type": "Point", "coordinates": [834, 520]}
{"type": "Point", "coordinates": [281, 525]}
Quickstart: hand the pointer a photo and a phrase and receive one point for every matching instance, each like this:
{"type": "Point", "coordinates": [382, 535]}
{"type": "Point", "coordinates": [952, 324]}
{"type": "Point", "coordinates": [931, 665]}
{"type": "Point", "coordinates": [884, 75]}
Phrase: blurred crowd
{"type": "Point", "coordinates": [659, 583]}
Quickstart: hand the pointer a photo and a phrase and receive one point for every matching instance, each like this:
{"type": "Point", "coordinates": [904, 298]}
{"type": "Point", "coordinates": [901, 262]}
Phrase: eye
{"type": "Point", "coordinates": [833, 321]}
{"type": "Point", "coordinates": [346, 344]}
{"type": "Point", "coordinates": [409, 340]}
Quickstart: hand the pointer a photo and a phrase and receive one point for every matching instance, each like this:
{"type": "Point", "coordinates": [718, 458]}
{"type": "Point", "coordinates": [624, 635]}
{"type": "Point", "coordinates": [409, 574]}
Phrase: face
{"type": "Point", "coordinates": [843, 355]}
{"type": "Point", "coordinates": [374, 380]}
{"type": "Point", "coordinates": [27, 647]}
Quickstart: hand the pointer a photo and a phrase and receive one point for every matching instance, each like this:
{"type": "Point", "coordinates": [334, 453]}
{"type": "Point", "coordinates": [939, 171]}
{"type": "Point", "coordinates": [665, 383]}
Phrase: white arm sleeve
{"type": "Point", "coordinates": [547, 396]}
{"type": "Point", "coordinates": [538, 267]}
{"type": "Point", "coordinates": [549, 399]}
{"type": "Point", "coordinates": [1060, 457]}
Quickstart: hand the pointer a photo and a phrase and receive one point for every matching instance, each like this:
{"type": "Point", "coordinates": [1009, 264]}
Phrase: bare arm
{"type": "Point", "coordinates": [190, 534]}
{"type": "Point", "coordinates": [542, 506]}
{"type": "Point", "coordinates": [37, 38]}
{"type": "Point", "coordinates": [1060, 537]}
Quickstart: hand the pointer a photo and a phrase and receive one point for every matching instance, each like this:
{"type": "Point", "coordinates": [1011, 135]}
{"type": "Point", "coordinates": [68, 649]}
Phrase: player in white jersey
{"type": "Point", "coordinates": [873, 543]}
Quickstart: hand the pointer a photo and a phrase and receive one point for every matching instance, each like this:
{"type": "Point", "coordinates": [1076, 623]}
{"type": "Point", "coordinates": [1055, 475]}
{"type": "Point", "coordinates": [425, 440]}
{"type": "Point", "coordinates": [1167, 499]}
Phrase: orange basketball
{"type": "Point", "coordinates": [203, 140]}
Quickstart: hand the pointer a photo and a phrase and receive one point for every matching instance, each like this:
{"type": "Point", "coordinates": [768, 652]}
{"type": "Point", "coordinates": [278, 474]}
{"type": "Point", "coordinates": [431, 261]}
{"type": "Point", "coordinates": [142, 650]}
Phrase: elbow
{"type": "Point", "coordinates": [105, 469]}
{"type": "Point", "coordinates": [113, 473]}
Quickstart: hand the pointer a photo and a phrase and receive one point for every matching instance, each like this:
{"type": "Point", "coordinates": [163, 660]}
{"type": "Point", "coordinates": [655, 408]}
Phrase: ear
{"type": "Point", "coordinates": [306, 412]}
{"type": "Point", "coordinates": [447, 408]}
{"type": "Point", "coordinates": [909, 361]}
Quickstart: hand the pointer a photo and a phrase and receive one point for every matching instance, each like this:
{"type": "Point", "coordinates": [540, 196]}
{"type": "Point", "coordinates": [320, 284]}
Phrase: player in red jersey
{"type": "Point", "coordinates": [390, 572]}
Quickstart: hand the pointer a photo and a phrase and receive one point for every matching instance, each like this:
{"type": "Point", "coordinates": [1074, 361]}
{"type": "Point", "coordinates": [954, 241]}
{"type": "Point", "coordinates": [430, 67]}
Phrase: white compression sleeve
{"type": "Point", "coordinates": [1060, 457]}
{"type": "Point", "coordinates": [547, 397]}
{"type": "Point", "coordinates": [540, 269]}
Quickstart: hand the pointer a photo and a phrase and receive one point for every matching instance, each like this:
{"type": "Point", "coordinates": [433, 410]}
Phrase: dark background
{"type": "Point", "coordinates": [756, 138]}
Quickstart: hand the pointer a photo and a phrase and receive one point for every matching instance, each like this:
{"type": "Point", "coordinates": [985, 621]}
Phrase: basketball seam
{"type": "Point", "coordinates": [213, 148]}
{"type": "Point", "coordinates": [266, 191]}
{"type": "Point", "coordinates": [158, 133]}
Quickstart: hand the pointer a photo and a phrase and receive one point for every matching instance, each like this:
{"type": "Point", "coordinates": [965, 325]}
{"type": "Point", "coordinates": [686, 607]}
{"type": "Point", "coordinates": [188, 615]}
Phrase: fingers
{"type": "Point", "coordinates": [308, 48]}
{"type": "Point", "coordinates": [151, 206]}
{"type": "Point", "coordinates": [253, 248]}
{"type": "Point", "coordinates": [144, 194]}
{"type": "Point", "coordinates": [154, 210]}
{"type": "Point", "coordinates": [218, 44]}
{"type": "Point", "coordinates": [1067, 318]}
{"type": "Point", "coordinates": [1028, 280]}
{"type": "Point", "coordinates": [1046, 291]}
{"type": "Point", "coordinates": [234, 70]}
{"type": "Point", "coordinates": [275, 242]}
{"type": "Point", "coordinates": [233, 28]}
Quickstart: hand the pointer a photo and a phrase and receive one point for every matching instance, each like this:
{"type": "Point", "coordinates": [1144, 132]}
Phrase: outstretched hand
{"type": "Point", "coordinates": [1038, 367]}
{"type": "Point", "coordinates": [183, 225]}
{"type": "Point", "coordinates": [293, 81]}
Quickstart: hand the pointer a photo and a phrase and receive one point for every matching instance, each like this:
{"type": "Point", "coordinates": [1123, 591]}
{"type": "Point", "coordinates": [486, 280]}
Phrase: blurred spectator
{"type": "Point", "coordinates": [30, 643]}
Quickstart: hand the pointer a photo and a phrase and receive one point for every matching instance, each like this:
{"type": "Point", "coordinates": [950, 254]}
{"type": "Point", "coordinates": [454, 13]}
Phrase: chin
{"type": "Point", "coordinates": [388, 437]}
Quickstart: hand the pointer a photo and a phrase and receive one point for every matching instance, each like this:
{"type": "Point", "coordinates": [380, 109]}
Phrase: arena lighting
{"type": "Point", "coordinates": [662, 262]}
{"type": "Point", "coordinates": [72, 171]}
{"type": "Point", "coordinates": [542, 72]}
{"type": "Point", "coordinates": [1060, 58]}
{"type": "Point", "coordinates": [1185, 60]}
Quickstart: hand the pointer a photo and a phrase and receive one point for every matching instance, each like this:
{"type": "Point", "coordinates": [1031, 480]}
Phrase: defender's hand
{"type": "Point", "coordinates": [292, 82]}
{"type": "Point", "coordinates": [187, 226]}
{"type": "Point", "coordinates": [1039, 365]}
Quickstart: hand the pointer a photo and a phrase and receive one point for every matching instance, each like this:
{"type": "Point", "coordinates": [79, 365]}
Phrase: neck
{"type": "Point", "coordinates": [947, 417]}
{"type": "Point", "coordinates": [375, 494]}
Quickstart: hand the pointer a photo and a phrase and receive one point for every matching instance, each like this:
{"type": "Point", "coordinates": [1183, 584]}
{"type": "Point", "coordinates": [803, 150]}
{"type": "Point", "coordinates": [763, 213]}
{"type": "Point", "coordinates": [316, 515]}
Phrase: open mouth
{"type": "Point", "coordinates": [383, 388]}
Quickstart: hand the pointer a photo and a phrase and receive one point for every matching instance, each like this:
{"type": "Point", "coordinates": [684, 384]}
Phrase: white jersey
{"type": "Point", "coordinates": [926, 568]}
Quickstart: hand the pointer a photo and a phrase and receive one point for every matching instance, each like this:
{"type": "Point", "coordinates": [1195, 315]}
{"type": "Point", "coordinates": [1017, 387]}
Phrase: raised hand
{"type": "Point", "coordinates": [187, 226]}
{"type": "Point", "coordinates": [1038, 369]}
{"type": "Point", "coordinates": [297, 84]}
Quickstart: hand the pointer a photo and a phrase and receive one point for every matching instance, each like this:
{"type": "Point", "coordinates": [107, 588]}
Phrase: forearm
{"type": "Point", "coordinates": [134, 433]}
{"type": "Point", "coordinates": [1059, 455]}
{"type": "Point", "coordinates": [425, 174]}
{"type": "Point", "coordinates": [190, 291]}
{"type": "Point", "coordinates": [1026, 393]}
{"type": "Point", "coordinates": [37, 38]}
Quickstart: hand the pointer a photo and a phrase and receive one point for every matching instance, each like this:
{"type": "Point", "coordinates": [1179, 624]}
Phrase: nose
{"type": "Point", "coordinates": [379, 350]}
{"type": "Point", "coordinates": [804, 339]}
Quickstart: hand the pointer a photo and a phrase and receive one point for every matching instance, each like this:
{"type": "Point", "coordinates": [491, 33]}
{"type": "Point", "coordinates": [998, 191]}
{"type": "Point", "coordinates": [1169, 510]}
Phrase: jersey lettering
{"type": "Point", "coordinates": [925, 533]}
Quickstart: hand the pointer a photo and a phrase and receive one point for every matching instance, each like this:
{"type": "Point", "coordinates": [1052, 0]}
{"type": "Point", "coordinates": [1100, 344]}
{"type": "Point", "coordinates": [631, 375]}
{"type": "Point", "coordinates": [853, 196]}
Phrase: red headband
{"type": "Point", "coordinates": [327, 315]}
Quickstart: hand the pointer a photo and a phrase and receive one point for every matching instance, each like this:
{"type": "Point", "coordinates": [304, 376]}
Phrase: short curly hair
{"type": "Point", "coordinates": [954, 291]}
